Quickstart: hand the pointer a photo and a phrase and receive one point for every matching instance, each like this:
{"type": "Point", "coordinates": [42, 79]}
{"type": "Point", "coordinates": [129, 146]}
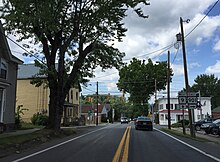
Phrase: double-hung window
{"type": "Point", "coordinates": [3, 68]}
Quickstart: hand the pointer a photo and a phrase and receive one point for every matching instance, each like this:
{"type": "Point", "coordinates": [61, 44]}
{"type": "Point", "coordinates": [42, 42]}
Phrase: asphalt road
{"type": "Point", "coordinates": [121, 142]}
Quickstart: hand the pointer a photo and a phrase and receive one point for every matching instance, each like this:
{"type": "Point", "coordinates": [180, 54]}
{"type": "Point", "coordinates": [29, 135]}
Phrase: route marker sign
{"type": "Point", "coordinates": [191, 99]}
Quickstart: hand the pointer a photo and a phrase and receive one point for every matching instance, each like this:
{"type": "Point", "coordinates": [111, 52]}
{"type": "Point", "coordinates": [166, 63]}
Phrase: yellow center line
{"type": "Point", "coordinates": [126, 147]}
{"type": "Point", "coordinates": [120, 146]}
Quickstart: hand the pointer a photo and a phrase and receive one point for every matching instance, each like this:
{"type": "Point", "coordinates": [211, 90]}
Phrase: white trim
{"type": "Point", "coordinates": [2, 105]}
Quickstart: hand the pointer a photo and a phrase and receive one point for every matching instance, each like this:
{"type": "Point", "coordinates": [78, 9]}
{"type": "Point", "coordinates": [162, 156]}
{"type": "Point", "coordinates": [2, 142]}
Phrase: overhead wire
{"type": "Point", "coordinates": [202, 19]}
{"type": "Point", "coordinates": [22, 47]}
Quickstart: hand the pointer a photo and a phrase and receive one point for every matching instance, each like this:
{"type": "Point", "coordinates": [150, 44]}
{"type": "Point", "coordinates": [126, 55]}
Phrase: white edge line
{"type": "Point", "coordinates": [200, 151]}
{"type": "Point", "coordinates": [52, 147]}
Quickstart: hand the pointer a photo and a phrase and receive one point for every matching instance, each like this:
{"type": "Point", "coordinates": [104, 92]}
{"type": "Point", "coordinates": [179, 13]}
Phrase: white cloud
{"type": "Point", "coordinates": [217, 46]}
{"type": "Point", "coordinates": [194, 64]}
{"type": "Point", "coordinates": [160, 29]}
{"type": "Point", "coordinates": [111, 86]}
{"type": "Point", "coordinates": [214, 69]}
{"type": "Point", "coordinates": [177, 69]}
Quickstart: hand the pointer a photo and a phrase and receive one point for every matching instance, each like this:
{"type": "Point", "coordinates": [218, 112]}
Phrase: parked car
{"type": "Point", "coordinates": [124, 120]}
{"type": "Point", "coordinates": [143, 123]}
{"type": "Point", "coordinates": [211, 127]}
{"type": "Point", "coordinates": [203, 121]}
{"type": "Point", "coordinates": [216, 130]}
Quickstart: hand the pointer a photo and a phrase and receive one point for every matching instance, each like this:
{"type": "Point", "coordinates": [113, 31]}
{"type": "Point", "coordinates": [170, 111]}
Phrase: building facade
{"type": "Point", "coordinates": [36, 99]}
{"type": "Point", "coordinates": [8, 77]}
{"type": "Point", "coordinates": [177, 114]}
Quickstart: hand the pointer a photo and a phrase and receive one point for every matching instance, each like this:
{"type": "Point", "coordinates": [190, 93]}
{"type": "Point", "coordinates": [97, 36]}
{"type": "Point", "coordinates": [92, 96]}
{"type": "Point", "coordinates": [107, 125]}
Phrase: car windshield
{"type": "Point", "coordinates": [143, 118]}
{"type": "Point", "coordinates": [217, 121]}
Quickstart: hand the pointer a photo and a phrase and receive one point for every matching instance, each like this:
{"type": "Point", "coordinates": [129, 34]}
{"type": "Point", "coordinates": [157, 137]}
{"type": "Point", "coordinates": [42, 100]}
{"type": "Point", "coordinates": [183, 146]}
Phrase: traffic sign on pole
{"type": "Point", "coordinates": [190, 99]}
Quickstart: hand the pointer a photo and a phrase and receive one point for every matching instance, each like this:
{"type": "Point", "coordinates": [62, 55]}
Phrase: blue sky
{"type": "Point", "coordinates": [145, 36]}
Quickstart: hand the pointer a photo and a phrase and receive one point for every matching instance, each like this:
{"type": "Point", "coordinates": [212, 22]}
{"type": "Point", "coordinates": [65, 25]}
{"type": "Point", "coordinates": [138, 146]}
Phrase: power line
{"type": "Point", "coordinates": [202, 19]}
{"type": "Point", "coordinates": [23, 48]}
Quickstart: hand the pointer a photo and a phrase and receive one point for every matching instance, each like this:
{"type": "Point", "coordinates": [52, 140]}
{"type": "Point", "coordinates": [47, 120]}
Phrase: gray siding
{"type": "Point", "coordinates": [9, 113]}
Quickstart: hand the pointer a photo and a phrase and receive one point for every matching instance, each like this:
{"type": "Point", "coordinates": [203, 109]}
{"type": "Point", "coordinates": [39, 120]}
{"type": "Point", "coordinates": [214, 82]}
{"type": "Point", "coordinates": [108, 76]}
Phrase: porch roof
{"type": "Point", "coordinates": [173, 111]}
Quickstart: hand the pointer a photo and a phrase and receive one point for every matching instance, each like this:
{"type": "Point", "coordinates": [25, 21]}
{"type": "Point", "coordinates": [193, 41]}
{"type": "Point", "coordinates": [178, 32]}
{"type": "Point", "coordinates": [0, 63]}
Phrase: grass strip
{"type": "Point", "coordinates": [43, 133]}
{"type": "Point", "coordinates": [178, 133]}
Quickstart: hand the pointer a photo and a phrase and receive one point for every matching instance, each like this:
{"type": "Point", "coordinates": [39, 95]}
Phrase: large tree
{"type": "Point", "coordinates": [73, 32]}
{"type": "Point", "coordinates": [140, 78]}
{"type": "Point", "coordinates": [209, 86]}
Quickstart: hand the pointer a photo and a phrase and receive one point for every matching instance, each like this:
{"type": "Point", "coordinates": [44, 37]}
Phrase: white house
{"type": "Point", "coordinates": [177, 114]}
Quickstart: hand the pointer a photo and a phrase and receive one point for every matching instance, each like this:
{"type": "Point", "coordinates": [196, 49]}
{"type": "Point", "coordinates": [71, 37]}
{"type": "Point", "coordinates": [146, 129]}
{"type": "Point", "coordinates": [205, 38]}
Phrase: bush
{"type": "Point", "coordinates": [39, 119]}
{"type": "Point", "coordinates": [104, 119]}
{"type": "Point", "coordinates": [186, 122]}
{"type": "Point", "coordinates": [18, 120]}
{"type": "Point", "coordinates": [180, 123]}
{"type": "Point", "coordinates": [176, 125]}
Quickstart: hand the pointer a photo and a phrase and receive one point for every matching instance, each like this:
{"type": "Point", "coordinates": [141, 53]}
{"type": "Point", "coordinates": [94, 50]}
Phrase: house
{"type": "Point", "coordinates": [8, 78]}
{"type": "Point", "coordinates": [176, 113]}
{"type": "Point", "coordinates": [88, 112]}
{"type": "Point", "coordinates": [216, 112]}
{"type": "Point", "coordinates": [36, 99]}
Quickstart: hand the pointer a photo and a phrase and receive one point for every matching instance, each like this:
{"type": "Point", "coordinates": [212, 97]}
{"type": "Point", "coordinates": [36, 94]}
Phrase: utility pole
{"type": "Point", "coordinates": [192, 133]}
{"type": "Point", "coordinates": [154, 107]}
{"type": "Point", "coordinates": [97, 103]}
{"type": "Point", "coordinates": [168, 91]}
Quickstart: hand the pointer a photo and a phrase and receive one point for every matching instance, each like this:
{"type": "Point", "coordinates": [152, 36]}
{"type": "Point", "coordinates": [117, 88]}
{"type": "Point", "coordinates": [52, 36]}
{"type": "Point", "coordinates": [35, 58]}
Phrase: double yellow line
{"type": "Point", "coordinates": [121, 154]}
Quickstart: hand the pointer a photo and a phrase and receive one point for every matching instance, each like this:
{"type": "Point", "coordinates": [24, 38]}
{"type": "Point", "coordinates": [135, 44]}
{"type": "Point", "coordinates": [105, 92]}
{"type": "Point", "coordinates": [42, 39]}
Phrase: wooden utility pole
{"type": "Point", "coordinates": [168, 90]}
{"type": "Point", "coordinates": [154, 108]}
{"type": "Point", "coordinates": [186, 78]}
{"type": "Point", "coordinates": [97, 103]}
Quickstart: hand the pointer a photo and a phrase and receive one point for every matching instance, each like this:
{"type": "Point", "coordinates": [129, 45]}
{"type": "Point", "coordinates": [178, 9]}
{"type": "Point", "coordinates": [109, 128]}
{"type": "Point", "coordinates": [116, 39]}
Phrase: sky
{"type": "Point", "coordinates": [147, 38]}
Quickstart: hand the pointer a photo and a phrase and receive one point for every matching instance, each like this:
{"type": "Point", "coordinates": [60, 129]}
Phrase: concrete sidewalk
{"type": "Point", "coordinates": [201, 134]}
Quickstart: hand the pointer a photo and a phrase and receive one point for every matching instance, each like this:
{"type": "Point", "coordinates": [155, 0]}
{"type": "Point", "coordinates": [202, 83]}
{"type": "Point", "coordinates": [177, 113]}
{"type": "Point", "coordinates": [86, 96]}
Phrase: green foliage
{"type": "Point", "coordinates": [25, 125]}
{"type": "Point", "coordinates": [39, 119]}
{"type": "Point", "coordinates": [138, 79]}
{"type": "Point", "coordinates": [138, 110]}
{"type": "Point", "coordinates": [209, 86]}
{"type": "Point", "coordinates": [76, 33]}
{"type": "Point", "coordinates": [180, 123]}
{"type": "Point", "coordinates": [18, 118]}
{"type": "Point", "coordinates": [176, 125]}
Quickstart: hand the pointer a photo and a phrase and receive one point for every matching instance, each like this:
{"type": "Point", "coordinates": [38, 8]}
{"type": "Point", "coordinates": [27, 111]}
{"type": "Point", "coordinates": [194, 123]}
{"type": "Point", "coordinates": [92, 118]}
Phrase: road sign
{"type": "Point", "coordinates": [190, 99]}
{"type": "Point", "coordinates": [187, 107]}
{"type": "Point", "coordinates": [182, 99]}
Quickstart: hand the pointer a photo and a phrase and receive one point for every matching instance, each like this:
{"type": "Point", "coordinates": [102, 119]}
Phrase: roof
{"type": "Point", "coordinates": [6, 50]}
{"type": "Point", "coordinates": [173, 111]}
{"type": "Point", "coordinates": [27, 71]}
{"type": "Point", "coordinates": [176, 98]}
{"type": "Point", "coordinates": [216, 110]}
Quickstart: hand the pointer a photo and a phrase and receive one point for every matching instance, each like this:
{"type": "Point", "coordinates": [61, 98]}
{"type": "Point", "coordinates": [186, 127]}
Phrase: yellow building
{"type": "Point", "coordinates": [36, 99]}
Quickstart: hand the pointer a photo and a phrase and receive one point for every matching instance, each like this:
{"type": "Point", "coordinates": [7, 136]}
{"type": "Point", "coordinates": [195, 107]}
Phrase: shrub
{"type": "Point", "coordinates": [19, 111]}
{"type": "Point", "coordinates": [186, 122]}
{"type": "Point", "coordinates": [176, 125]}
{"type": "Point", "coordinates": [39, 119]}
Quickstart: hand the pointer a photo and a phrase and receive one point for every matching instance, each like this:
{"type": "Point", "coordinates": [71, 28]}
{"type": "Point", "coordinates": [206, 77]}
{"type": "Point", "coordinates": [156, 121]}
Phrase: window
{"type": "Point", "coordinates": [166, 116]}
{"type": "Point", "coordinates": [161, 107]}
{"type": "Point", "coordinates": [162, 117]}
{"type": "Point", "coordinates": [71, 94]}
{"type": "Point", "coordinates": [3, 68]}
{"type": "Point", "coordinates": [77, 96]}
{"type": "Point", "coordinates": [171, 106]}
{"type": "Point", "coordinates": [177, 106]}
